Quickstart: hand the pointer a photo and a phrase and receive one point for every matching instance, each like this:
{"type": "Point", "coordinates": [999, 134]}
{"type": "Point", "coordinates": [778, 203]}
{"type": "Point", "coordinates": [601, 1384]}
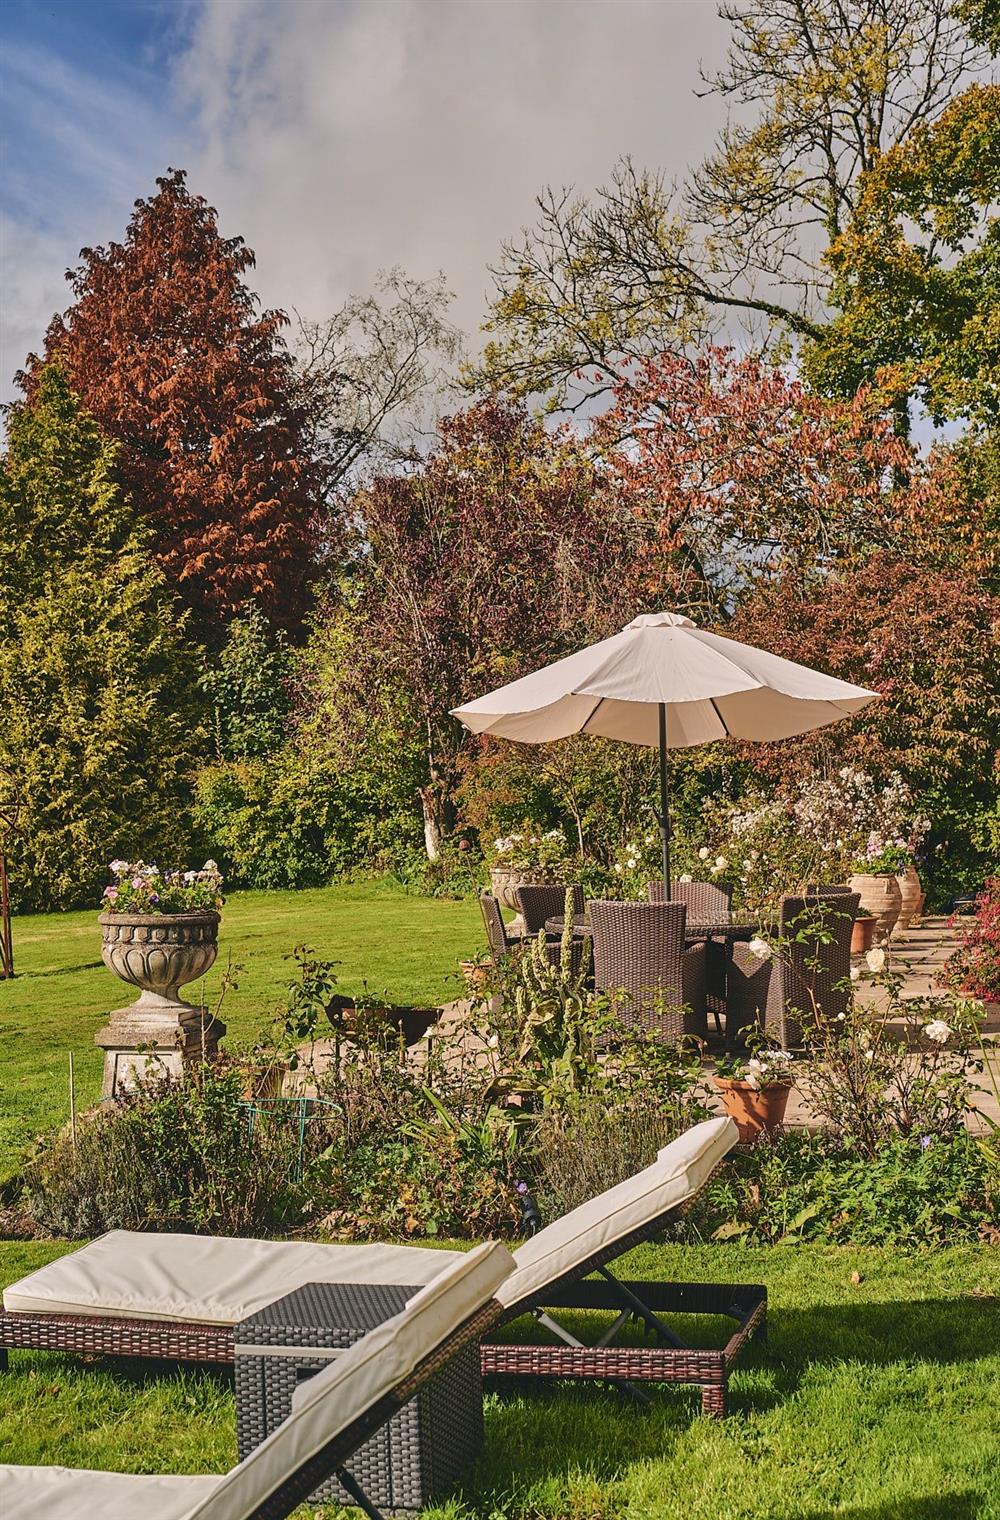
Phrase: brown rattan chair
{"type": "Point", "coordinates": [332, 1415]}
{"type": "Point", "coordinates": [640, 955]}
{"type": "Point", "coordinates": [537, 902]}
{"type": "Point", "coordinates": [554, 1272]}
{"type": "Point", "coordinates": [707, 902]}
{"type": "Point", "coordinates": [496, 930]}
{"type": "Point", "coordinates": [809, 977]}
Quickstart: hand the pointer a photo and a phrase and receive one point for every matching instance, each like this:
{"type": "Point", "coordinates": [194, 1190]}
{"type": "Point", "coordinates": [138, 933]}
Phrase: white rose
{"type": "Point", "coordinates": [760, 948]}
{"type": "Point", "coordinates": [703, 853]}
{"type": "Point", "coordinates": [875, 958]}
{"type": "Point", "coordinates": [721, 863]}
{"type": "Point", "coordinates": [685, 877]}
{"type": "Point", "coordinates": [855, 975]}
{"type": "Point", "coordinates": [937, 1030]}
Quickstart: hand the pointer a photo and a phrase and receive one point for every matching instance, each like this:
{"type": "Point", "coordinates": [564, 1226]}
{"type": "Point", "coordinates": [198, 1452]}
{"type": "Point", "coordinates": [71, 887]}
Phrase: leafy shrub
{"type": "Point", "coordinates": [975, 966]}
{"type": "Point", "coordinates": [171, 1155]}
{"type": "Point", "coordinates": [801, 1186]}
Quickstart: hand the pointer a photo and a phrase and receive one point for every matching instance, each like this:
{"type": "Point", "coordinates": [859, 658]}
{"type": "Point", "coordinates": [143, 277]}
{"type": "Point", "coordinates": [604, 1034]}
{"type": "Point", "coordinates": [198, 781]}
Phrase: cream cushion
{"type": "Point", "coordinates": [215, 1280]}
{"type": "Point", "coordinates": [220, 1280]}
{"type": "Point", "coordinates": [322, 1408]}
{"type": "Point", "coordinates": [679, 1171]}
{"type": "Point", "coordinates": [62, 1493]}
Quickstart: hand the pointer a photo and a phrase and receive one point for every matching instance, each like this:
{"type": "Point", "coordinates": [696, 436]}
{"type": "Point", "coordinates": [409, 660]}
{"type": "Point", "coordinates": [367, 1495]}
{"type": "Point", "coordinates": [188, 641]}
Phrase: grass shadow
{"type": "Point", "coordinates": [963, 1506]}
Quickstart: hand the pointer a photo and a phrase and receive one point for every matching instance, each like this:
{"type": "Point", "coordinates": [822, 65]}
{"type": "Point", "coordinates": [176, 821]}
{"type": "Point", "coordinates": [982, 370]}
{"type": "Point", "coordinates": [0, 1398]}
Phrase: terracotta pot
{"type": "Point", "coordinates": [756, 1110]}
{"type": "Point", "coordinates": [862, 935]}
{"type": "Point", "coordinates": [910, 892]}
{"type": "Point", "coordinates": [881, 896]}
{"type": "Point", "coordinates": [476, 975]}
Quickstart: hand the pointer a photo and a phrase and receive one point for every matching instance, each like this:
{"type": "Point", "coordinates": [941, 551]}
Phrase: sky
{"type": "Point", "coordinates": [338, 137]}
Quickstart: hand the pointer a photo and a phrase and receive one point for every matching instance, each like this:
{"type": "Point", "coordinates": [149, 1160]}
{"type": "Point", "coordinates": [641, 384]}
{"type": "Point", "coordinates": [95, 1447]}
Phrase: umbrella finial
{"type": "Point", "coordinates": [660, 620]}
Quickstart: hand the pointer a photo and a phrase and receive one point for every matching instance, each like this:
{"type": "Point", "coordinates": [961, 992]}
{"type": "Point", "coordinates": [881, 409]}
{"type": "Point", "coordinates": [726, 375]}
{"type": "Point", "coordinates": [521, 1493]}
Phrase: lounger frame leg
{"type": "Point", "coordinates": [357, 1493]}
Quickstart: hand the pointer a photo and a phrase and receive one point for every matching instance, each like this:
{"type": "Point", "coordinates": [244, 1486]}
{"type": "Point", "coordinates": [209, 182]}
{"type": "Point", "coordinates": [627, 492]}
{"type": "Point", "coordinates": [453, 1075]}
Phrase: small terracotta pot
{"type": "Point", "coordinates": [863, 935]}
{"type": "Point", "coordinates": [476, 975]}
{"type": "Point", "coordinates": [756, 1110]}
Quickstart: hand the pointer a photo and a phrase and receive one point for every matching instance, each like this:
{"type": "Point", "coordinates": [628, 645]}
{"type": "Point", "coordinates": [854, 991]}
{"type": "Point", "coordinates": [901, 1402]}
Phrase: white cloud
{"type": "Point", "coordinates": [340, 138]}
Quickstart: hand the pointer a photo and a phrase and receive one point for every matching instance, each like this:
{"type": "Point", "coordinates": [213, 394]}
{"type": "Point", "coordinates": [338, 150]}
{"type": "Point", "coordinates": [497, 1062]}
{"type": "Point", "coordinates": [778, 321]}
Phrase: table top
{"type": "Point", "coordinates": [693, 929]}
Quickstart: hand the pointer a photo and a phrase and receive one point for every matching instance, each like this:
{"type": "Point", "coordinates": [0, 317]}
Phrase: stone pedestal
{"type": "Point", "coordinates": [154, 1042]}
{"type": "Point", "coordinates": [159, 1032]}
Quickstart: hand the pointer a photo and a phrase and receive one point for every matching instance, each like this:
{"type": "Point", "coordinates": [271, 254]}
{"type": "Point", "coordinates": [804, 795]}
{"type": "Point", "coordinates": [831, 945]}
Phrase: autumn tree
{"type": "Point", "coordinates": [743, 474]}
{"type": "Point", "coordinates": [166, 347]}
{"type": "Point", "coordinates": [95, 674]}
{"type": "Point", "coordinates": [503, 550]}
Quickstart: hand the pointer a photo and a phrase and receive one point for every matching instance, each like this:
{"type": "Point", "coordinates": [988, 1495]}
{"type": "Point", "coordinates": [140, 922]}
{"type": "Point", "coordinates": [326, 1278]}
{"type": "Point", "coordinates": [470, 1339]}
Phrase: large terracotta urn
{"type": "Point", "coordinates": [159, 953]}
{"type": "Point", "coordinates": [880, 894]}
{"type": "Point", "coordinates": [911, 893]}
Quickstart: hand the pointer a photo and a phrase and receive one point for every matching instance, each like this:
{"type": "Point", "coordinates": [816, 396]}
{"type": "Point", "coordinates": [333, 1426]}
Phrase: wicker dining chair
{"type": "Point", "coordinates": [707, 902]}
{"type": "Point", "coordinates": [496, 930]}
{"type": "Point", "coordinates": [808, 977]}
{"type": "Point", "coordinates": [639, 953]}
{"type": "Point", "coordinates": [537, 902]}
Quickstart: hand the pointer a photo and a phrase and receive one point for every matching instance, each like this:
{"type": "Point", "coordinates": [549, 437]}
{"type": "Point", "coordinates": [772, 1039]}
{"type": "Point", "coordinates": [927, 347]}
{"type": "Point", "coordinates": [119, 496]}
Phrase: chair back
{"type": "Point", "coordinates": [815, 970]}
{"type": "Point", "coordinates": [638, 951]}
{"type": "Point", "coordinates": [539, 902]}
{"type": "Point", "coordinates": [707, 902]}
{"type": "Point", "coordinates": [496, 929]}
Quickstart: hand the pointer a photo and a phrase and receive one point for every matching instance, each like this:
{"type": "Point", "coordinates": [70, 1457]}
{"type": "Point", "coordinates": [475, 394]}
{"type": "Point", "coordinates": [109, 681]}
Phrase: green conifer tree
{"type": "Point", "coordinates": [98, 722]}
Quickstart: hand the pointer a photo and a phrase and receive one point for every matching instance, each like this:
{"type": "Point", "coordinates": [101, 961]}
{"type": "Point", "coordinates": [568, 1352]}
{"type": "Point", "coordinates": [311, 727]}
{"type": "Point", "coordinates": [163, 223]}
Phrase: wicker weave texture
{"type": "Point", "coordinates": [639, 953]}
{"type": "Point", "coordinates": [707, 902]}
{"type": "Point", "coordinates": [422, 1449]}
{"type": "Point", "coordinates": [496, 931]}
{"type": "Point", "coordinates": [537, 902]}
{"type": "Point", "coordinates": [811, 974]}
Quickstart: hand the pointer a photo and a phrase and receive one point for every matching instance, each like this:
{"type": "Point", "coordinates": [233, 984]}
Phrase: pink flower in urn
{"type": "Point", "coordinates": [111, 893]}
{"type": "Point", "coordinates": [138, 882]}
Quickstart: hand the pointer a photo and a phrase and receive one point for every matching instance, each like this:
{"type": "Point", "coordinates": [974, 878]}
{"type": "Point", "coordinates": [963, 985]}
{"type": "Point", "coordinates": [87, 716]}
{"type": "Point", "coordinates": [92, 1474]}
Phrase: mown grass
{"type": "Point", "coordinates": [404, 945]}
{"type": "Point", "coordinates": [869, 1401]}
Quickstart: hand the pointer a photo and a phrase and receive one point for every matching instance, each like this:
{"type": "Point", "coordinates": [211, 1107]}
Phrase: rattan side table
{"type": "Point", "coordinates": [422, 1450]}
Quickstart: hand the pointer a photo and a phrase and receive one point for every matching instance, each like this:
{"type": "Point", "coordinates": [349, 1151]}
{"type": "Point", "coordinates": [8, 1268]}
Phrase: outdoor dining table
{"type": "Point", "coordinates": [694, 930]}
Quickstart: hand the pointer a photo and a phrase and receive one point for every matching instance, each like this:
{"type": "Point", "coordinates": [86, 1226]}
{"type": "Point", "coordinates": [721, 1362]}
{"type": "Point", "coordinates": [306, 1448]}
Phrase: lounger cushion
{"type": "Point", "coordinates": [62, 1493]}
{"type": "Point", "coordinates": [208, 1279]}
{"type": "Point", "coordinates": [351, 1384]}
{"type": "Point", "coordinates": [565, 1246]}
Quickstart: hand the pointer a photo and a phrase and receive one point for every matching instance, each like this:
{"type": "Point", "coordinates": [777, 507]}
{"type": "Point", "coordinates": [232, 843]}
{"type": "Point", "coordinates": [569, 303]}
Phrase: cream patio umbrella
{"type": "Point", "coordinates": [664, 681]}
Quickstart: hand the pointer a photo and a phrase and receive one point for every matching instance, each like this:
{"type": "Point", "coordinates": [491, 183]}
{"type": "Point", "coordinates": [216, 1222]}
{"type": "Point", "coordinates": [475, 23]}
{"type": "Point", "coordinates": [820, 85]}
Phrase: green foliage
{"type": "Point", "coordinates": [247, 686]}
{"type": "Point", "coordinates": [802, 1186]}
{"type": "Point", "coordinates": [171, 1156]}
{"type": "Point", "coordinates": [98, 727]}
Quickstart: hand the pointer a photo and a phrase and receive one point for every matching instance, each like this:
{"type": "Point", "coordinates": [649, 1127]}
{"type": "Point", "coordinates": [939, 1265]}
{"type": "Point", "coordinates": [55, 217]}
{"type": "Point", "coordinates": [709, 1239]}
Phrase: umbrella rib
{"type": "Point", "coordinates": [725, 725]}
{"type": "Point", "coordinates": [583, 726]}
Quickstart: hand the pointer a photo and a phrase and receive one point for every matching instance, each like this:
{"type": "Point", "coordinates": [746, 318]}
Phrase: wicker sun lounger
{"type": "Point", "coordinates": [179, 1296]}
{"type": "Point", "coordinates": [332, 1415]}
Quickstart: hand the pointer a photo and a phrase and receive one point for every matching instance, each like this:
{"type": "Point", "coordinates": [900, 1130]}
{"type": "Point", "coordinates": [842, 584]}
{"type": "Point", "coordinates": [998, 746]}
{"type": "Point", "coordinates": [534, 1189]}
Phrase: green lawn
{"type": "Point", "coordinates": [407, 946]}
{"type": "Point", "coordinates": [876, 1401]}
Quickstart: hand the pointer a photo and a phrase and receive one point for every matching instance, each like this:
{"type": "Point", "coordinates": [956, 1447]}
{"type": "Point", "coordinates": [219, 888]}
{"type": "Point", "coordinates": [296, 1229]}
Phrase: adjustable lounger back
{"type": "Point", "coordinates": [332, 1415]}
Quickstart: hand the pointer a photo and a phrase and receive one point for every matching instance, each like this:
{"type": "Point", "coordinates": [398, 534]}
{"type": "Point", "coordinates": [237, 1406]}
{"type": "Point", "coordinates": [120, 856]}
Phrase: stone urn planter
{"type": "Point", "coordinates": [880, 894]}
{"type": "Point", "coordinates": [863, 935]}
{"type": "Point", "coordinates": [505, 883]}
{"type": "Point", "coordinates": [911, 894]}
{"type": "Point", "coordinates": [159, 953]}
{"type": "Point", "coordinates": [756, 1110]}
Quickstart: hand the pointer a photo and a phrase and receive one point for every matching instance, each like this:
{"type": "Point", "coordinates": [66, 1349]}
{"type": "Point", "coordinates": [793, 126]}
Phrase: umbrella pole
{"type": "Point", "coordinates": [664, 804]}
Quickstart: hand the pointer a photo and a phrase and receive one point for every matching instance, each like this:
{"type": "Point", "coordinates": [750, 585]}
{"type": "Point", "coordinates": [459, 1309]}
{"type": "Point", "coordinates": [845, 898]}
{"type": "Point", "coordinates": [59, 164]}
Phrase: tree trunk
{"type": "Point", "coordinates": [429, 803]}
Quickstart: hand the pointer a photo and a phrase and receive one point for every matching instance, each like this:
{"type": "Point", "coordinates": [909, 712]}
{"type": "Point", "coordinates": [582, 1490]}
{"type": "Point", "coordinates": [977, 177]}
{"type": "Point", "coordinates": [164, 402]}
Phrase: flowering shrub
{"type": "Point", "coordinates": [141, 888]}
{"type": "Point", "coordinates": [532, 851]}
{"type": "Point", "coordinates": [975, 966]}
